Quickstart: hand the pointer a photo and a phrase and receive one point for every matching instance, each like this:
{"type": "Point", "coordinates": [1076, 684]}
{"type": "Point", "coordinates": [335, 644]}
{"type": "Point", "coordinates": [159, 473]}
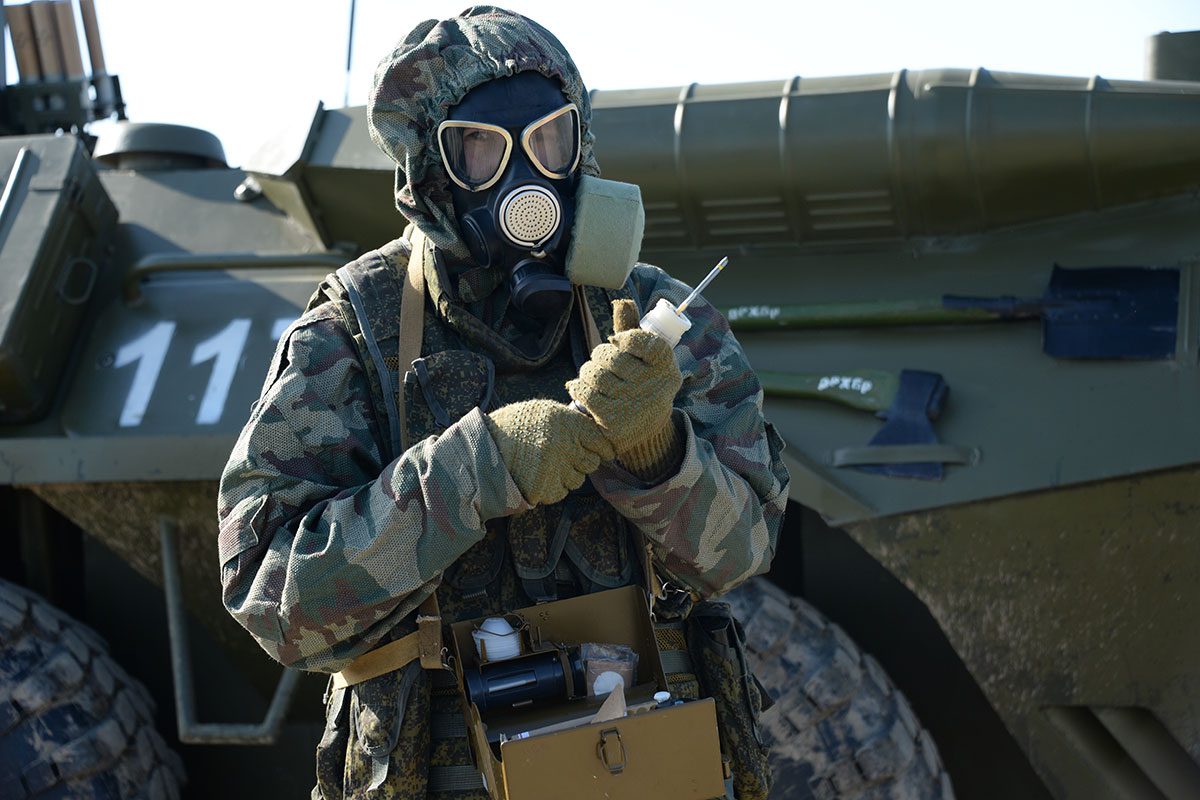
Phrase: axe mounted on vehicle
{"type": "Point", "coordinates": [909, 402]}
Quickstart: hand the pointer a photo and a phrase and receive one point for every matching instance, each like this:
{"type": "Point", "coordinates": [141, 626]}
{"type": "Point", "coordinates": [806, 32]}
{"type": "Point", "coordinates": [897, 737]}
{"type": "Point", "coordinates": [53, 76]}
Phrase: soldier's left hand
{"type": "Point", "coordinates": [630, 382]}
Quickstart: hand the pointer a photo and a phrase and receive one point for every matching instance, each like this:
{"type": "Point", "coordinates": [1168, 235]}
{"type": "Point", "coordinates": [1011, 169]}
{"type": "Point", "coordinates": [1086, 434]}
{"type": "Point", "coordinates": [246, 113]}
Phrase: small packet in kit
{"type": "Point", "coordinates": [607, 664]}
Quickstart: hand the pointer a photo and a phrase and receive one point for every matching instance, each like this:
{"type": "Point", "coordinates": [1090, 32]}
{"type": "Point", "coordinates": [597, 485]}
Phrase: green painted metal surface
{"type": "Point", "coordinates": [1075, 598]}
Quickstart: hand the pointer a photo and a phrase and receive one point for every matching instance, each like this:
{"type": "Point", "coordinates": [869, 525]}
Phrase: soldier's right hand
{"type": "Point", "coordinates": [548, 447]}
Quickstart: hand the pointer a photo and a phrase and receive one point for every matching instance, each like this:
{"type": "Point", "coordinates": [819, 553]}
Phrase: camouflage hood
{"type": "Point", "coordinates": [430, 71]}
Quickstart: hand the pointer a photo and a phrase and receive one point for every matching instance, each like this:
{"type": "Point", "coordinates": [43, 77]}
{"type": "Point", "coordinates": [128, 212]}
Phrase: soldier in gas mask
{"type": "Point", "coordinates": [369, 488]}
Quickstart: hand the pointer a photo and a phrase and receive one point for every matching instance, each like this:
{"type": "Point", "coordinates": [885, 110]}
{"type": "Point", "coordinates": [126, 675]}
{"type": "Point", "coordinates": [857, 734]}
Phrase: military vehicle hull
{"type": "Point", "coordinates": [1056, 552]}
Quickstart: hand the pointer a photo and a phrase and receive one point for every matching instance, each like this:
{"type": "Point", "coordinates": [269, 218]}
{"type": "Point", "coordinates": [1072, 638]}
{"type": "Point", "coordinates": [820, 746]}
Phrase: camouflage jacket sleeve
{"type": "Point", "coordinates": [324, 547]}
{"type": "Point", "coordinates": [714, 522]}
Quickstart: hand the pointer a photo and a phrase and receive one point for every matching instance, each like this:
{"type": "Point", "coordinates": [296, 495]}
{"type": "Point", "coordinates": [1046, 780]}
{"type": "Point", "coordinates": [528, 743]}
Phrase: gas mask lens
{"type": "Point", "coordinates": [476, 153]}
{"type": "Point", "coordinates": [552, 142]}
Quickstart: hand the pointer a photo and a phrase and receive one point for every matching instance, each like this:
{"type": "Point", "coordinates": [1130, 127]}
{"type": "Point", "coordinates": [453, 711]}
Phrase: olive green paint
{"type": "Point", "coordinates": [1077, 597]}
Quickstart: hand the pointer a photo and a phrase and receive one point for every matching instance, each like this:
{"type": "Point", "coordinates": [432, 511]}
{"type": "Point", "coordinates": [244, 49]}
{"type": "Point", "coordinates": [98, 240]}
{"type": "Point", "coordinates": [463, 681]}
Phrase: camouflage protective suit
{"type": "Point", "coordinates": [329, 539]}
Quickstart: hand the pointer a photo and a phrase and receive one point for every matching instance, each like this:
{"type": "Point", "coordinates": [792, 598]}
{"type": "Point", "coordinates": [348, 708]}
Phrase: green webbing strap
{"type": "Point", "coordinates": [412, 320]}
{"type": "Point", "coordinates": [676, 661]}
{"type": "Point", "coordinates": [459, 778]}
{"type": "Point", "coordinates": [447, 725]}
{"type": "Point", "coordinates": [412, 326]}
{"type": "Point", "coordinates": [905, 454]}
{"type": "Point", "coordinates": [591, 332]}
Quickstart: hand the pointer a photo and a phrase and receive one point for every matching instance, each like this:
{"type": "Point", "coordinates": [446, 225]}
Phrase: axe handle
{"type": "Point", "coordinates": [864, 389]}
{"type": "Point", "coordinates": [879, 313]}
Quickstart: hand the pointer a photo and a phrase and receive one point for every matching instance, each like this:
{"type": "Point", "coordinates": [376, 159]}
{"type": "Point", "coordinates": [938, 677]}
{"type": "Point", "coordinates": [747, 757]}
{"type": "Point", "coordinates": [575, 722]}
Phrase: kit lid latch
{"type": "Point", "coordinates": [611, 750]}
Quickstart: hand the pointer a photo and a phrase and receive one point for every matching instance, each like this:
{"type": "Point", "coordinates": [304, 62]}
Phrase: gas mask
{"type": "Point", "coordinates": [511, 148]}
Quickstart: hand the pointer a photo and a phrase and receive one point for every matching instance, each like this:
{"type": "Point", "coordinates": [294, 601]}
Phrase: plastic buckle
{"type": "Point", "coordinates": [430, 647]}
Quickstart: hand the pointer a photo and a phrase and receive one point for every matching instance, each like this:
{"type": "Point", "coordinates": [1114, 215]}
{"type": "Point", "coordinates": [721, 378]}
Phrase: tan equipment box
{"type": "Point", "coordinates": [670, 752]}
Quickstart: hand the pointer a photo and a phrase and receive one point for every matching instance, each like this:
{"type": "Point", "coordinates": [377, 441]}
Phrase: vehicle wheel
{"type": "Point", "coordinates": [72, 722]}
{"type": "Point", "coordinates": [839, 727]}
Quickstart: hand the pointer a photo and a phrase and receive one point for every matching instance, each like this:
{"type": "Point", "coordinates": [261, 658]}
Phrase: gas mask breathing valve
{"type": "Point", "coordinates": [529, 215]}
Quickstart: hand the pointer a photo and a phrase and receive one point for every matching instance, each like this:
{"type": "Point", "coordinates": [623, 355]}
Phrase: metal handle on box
{"type": "Point", "coordinates": [72, 269]}
{"type": "Point", "coordinates": [611, 750]}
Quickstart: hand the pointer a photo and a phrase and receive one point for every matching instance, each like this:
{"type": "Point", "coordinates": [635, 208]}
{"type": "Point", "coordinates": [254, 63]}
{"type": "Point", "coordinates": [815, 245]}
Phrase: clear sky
{"type": "Point", "coordinates": [245, 68]}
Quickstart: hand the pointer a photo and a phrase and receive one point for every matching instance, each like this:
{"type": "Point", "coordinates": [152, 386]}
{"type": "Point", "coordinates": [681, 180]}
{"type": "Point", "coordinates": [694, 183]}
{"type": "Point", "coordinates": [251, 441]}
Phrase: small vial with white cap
{"type": "Point", "coordinates": [668, 322]}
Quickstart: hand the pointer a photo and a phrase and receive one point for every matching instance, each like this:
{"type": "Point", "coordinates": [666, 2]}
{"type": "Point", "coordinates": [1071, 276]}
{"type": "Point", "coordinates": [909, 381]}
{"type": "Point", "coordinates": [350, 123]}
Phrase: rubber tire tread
{"type": "Point", "coordinates": [73, 723]}
{"type": "Point", "coordinates": [839, 729]}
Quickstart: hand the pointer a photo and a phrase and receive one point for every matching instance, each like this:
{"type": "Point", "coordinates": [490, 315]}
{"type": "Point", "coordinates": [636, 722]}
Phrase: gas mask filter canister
{"type": "Point", "coordinates": [607, 235]}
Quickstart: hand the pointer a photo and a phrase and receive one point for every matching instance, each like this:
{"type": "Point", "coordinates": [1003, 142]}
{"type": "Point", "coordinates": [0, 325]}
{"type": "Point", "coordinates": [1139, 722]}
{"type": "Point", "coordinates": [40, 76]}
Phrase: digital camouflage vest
{"type": "Point", "coordinates": [402, 734]}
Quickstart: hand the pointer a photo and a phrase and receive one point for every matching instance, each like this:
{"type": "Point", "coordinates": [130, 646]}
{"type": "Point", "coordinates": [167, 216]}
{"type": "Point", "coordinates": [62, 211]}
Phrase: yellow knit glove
{"type": "Point", "coordinates": [629, 387]}
{"type": "Point", "coordinates": [548, 447]}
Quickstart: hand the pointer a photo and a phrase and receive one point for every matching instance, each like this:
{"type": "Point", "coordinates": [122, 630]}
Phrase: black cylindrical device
{"type": "Point", "coordinates": [520, 682]}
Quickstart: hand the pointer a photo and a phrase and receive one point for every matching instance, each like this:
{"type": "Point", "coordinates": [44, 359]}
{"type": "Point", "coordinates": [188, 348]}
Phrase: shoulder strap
{"type": "Point", "coordinates": [412, 328]}
{"type": "Point", "coordinates": [591, 332]}
{"type": "Point", "coordinates": [371, 293]}
{"type": "Point", "coordinates": [412, 320]}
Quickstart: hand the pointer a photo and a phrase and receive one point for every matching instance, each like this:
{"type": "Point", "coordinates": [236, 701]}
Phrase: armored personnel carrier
{"type": "Point", "coordinates": [973, 299]}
